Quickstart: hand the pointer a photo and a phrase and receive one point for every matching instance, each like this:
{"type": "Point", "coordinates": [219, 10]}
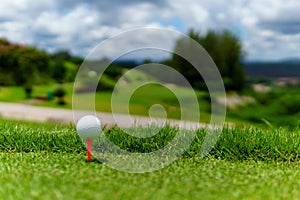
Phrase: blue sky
{"type": "Point", "coordinates": [268, 30]}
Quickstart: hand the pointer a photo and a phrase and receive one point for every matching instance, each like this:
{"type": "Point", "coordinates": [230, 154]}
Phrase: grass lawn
{"type": "Point", "coordinates": [44, 161]}
{"type": "Point", "coordinates": [139, 103]}
{"type": "Point", "coordinates": [42, 175]}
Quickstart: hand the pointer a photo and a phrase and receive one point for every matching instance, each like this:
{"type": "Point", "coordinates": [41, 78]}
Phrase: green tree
{"type": "Point", "coordinates": [25, 65]}
{"type": "Point", "coordinates": [59, 70]}
{"type": "Point", "coordinates": [22, 64]}
{"type": "Point", "coordinates": [226, 51]}
{"type": "Point", "coordinates": [4, 41]}
{"type": "Point", "coordinates": [62, 55]}
{"type": "Point", "coordinates": [60, 94]}
{"type": "Point", "coordinates": [31, 65]}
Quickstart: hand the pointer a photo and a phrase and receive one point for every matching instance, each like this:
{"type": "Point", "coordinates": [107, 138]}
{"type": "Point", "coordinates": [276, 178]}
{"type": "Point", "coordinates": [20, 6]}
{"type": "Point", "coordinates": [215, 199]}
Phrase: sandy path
{"type": "Point", "coordinates": [43, 114]}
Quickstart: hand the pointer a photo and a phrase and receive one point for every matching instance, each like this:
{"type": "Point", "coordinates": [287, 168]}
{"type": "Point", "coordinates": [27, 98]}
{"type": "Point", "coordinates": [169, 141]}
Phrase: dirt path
{"type": "Point", "coordinates": [42, 114]}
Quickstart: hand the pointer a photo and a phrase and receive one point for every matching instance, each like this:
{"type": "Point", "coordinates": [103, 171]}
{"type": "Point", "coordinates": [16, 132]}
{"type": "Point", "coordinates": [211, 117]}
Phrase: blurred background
{"type": "Point", "coordinates": [255, 45]}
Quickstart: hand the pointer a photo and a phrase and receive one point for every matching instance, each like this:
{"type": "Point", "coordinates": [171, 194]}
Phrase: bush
{"type": "Point", "coordinates": [106, 84]}
{"type": "Point", "coordinates": [288, 105]}
{"type": "Point", "coordinates": [28, 90]}
{"type": "Point", "coordinates": [60, 93]}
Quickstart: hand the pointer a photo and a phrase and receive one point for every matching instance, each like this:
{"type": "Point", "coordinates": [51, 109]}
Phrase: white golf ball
{"type": "Point", "coordinates": [88, 127]}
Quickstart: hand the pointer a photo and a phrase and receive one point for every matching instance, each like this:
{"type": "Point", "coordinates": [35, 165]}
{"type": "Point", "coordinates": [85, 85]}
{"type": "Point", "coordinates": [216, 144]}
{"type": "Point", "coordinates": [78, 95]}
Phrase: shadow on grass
{"type": "Point", "coordinates": [99, 161]}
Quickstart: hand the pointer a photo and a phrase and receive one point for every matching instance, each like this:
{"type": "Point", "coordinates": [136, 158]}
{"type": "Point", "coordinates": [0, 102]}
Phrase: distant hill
{"type": "Point", "coordinates": [270, 69]}
{"type": "Point", "coordinates": [286, 68]}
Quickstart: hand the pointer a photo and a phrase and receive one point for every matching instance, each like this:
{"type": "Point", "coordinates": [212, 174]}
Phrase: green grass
{"type": "Point", "coordinates": [44, 161]}
{"type": "Point", "coordinates": [68, 176]}
{"type": "Point", "coordinates": [142, 99]}
{"type": "Point", "coordinates": [139, 103]}
{"type": "Point", "coordinates": [233, 144]}
{"type": "Point", "coordinates": [280, 107]}
{"type": "Point", "coordinates": [17, 93]}
{"type": "Point", "coordinates": [11, 94]}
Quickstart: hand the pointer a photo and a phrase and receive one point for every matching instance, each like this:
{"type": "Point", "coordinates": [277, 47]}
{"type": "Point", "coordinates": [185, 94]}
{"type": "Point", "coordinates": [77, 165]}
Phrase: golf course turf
{"type": "Point", "coordinates": [44, 161]}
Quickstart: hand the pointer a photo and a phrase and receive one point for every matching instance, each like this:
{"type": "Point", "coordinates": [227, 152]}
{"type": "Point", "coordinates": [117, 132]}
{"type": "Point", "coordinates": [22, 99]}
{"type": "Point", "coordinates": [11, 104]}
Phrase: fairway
{"type": "Point", "coordinates": [139, 103]}
{"type": "Point", "coordinates": [44, 161]}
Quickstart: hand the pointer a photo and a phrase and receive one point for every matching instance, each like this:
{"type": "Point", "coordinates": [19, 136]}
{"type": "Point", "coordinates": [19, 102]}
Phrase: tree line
{"type": "Point", "coordinates": [26, 65]}
{"type": "Point", "coordinates": [225, 50]}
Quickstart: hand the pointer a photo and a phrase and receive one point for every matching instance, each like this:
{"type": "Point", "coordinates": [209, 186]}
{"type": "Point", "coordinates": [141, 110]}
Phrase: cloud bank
{"type": "Point", "coordinates": [269, 30]}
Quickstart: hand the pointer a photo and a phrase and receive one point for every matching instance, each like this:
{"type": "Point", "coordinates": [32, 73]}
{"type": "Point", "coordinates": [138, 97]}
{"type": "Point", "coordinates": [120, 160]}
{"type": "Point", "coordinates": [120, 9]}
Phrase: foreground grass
{"type": "Point", "coordinates": [68, 176]}
{"type": "Point", "coordinates": [41, 161]}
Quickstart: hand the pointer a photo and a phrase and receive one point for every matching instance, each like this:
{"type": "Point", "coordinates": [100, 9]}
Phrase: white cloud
{"type": "Point", "coordinates": [268, 29]}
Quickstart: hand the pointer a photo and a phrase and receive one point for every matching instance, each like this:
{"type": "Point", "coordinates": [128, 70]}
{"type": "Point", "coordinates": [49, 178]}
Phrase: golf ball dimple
{"type": "Point", "coordinates": [88, 127]}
